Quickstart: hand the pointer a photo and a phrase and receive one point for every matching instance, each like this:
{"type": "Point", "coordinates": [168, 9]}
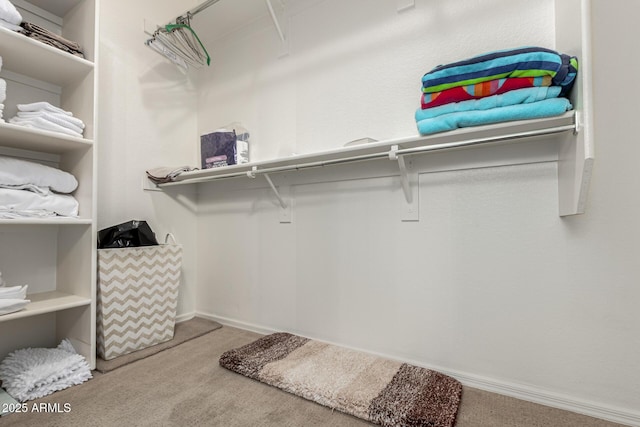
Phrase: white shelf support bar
{"type": "Point", "coordinates": [283, 204]}
{"type": "Point", "coordinates": [286, 211]}
{"type": "Point", "coordinates": [278, 23]}
{"type": "Point", "coordinates": [403, 5]}
{"type": "Point", "coordinates": [409, 182]}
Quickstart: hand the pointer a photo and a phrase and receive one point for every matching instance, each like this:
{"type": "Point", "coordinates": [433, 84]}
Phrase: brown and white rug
{"type": "Point", "coordinates": [378, 390]}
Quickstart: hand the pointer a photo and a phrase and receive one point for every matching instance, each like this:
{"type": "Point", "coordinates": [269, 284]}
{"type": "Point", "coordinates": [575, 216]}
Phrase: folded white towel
{"type": "Point", "coordinates": [22, 214]}
{"type": "Point", "coordinates": [10, 26]}
{"type": "Point", "coordinates": [9, 13]}
{"type": "Point", "coordinates": [40, 123]}
{"type": "Point", "coordinates": [58, 119]}
{"type": "Point", "coordinates": [21, 172]}
{"type": "Point", "coordinates": [31, 373]}
{"type": "Point", "coordinates": [42, 106]}
{"type": "Point", "coordinates": [13, 292]}
{"type": "Point", "coordinates": [67, 118]}
{"type": "Point", "coordinates": [3, 91]}
{"type": "Point", "coordinates": [12, 305]}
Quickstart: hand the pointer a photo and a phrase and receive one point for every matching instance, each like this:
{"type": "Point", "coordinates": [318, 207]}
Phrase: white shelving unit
{"type": "Point", "coordinates": [572, 132]}
{"type": "Point", "coordinates": [54, 256]}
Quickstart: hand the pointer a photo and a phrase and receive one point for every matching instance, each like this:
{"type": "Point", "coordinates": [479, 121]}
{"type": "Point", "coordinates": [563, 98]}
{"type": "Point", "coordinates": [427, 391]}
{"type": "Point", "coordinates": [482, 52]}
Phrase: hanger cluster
{"type": "Point", "coordinates": [180, 44]}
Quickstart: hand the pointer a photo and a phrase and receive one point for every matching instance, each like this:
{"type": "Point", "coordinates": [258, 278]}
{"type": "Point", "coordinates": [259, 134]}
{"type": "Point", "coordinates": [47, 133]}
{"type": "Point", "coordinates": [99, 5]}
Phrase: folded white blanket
{"type": "Point", "coordinates": [42, 106]}
{"type": "Point", "coordinates": [14, 292]}
{"type": "Point", "coordinates": [12, 305]}
{"type": "Point", "coordinates": [15, 201]}
{"type": "Point", "coordinates": [31, 373]}
{"type": "Point", "coordinates": [21, 172]}
{"type": "Point", "coordinates": [59, 116]}
{"type": "Point", "coordinates": [58, 119]}
{"type": "Point", "coordinates": [9, 13]}
{"type": "Point", "coordinates": [28, 187]}
{"type": "Point", "coordinates": [40, 123]}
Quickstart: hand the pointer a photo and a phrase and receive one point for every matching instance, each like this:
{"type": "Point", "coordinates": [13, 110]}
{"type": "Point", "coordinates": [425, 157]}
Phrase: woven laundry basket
{"type": "Point", "coordinates": [137, 297]}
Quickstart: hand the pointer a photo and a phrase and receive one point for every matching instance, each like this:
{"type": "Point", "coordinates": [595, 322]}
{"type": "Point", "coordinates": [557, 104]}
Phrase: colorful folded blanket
{"type": "Point", "coordinates": [481, 90]}
{"type": "Point", "coordinates": [520, 96]}
{"type": "Point", "coordinates": [522, 62]}
{"type": "Point", "coordinates": [535, 110]}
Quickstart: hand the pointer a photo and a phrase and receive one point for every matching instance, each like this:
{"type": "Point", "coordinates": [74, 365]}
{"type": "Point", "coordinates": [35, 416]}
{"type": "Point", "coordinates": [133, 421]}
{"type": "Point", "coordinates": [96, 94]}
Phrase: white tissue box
{"type": "Point", "coordinates": [137, 297]}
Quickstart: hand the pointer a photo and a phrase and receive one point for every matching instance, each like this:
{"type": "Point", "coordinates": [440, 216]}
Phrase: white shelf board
{"type": "Point", "coordinates": [46, 221]}
{"type": "Point", "coordinates": [37, 60]}
{"type": "Point", "coordinates": [47, 302]}
{"type": "Point", "coordinates": [24, 138]}
{"type": "Point", "coordinates": [499, 130]}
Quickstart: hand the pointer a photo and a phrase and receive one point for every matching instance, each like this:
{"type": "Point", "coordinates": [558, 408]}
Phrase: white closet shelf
{"type": "Point", "coordinates": [15, 136]}
{"type": "Point", "coordinates": [574, 156]}
{"type": "Point", "coordinates": [462, 138]}
{"type": "Point", "coordinates": [46, 221]}
{"type": "Point", "coordinates": [47, 302]}
{"type": "Point", "coordinates": [40, 61]}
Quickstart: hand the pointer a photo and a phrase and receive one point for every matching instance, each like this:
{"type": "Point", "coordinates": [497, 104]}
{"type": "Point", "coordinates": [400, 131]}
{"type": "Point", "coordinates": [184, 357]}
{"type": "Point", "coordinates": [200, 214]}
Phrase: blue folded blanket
{"type": "Point", "coordinates": [534, 110]}
{"type": "Point", "coordinates": [518, 96]}
{"type": "Point", "coordinates": [522, 62]}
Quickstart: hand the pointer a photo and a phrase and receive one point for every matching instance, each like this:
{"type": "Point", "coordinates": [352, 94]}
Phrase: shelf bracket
{"type": "Point", "coordinates": [409, 182]}
{"type": "Point", "coordinates": [279, 27]}
{"type": "Point", "coordinates": [403, 5]}
{"type": "Point", "coordinates": [282, 194]}
{"type": "Point", "coordinates": [283, 204]}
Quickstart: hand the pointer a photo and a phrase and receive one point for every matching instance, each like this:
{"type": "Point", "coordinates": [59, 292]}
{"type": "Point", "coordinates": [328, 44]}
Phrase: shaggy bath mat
{"type": "Point", "coordinates": [378, 390]}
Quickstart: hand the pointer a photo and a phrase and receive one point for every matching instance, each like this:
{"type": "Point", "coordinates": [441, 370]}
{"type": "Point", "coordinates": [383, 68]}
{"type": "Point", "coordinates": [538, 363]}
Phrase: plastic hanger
{"type": "Point", "coordinates": [180, 44]}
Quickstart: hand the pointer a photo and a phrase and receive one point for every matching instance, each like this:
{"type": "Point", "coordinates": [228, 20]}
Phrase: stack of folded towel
{"type": "Point", "coordinates": [516, 84]}
{"type": "Point", "coordinates": [12, 298]}
{"type": "Point", "coordinates": [45, 36]}
{"type": "Point", "coordinates": [31, 373]}
{"type": "Point", "coordinates": [10, 18]}
{"type": "Point", "coordinates": [42, 115]}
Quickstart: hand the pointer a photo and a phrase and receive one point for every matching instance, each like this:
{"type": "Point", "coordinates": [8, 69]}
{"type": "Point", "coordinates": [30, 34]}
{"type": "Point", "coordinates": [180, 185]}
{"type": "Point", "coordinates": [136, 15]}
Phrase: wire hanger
{"type": "Point", "coordinates": [177, 26]}
{"type": "Point", "coordinates": [180, 44]}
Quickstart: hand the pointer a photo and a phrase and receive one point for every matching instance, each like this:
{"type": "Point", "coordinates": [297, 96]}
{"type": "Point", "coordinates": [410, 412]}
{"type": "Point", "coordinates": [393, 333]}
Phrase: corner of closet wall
{"type": "Point", "coordinates": [147, 119]}
{"type": "Point", "coordinates": [54, 256]}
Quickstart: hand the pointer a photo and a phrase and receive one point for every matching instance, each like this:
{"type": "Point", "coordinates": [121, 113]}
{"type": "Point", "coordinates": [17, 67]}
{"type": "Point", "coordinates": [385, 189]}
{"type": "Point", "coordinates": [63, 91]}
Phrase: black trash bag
{"type": "Point", "coordinates": [127, 235]}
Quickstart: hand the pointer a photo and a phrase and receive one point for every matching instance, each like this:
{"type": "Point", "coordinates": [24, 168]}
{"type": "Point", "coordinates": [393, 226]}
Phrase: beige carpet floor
{"type": "Point", "coordinates": [185, 386]}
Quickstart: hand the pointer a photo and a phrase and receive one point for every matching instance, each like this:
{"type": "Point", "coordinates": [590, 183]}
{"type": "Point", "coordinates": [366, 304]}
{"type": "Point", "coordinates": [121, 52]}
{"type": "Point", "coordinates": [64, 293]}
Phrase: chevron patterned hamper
{"type": "Point", "coordinates": [137, 297]}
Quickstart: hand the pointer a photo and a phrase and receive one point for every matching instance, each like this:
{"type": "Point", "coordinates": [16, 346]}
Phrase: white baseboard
{"type": "Point", "coordinates": [185, 316]}
{"type": "Point", "coordinates": [237, 324]}
{"type": "Point", "coordinates": [518, 391]}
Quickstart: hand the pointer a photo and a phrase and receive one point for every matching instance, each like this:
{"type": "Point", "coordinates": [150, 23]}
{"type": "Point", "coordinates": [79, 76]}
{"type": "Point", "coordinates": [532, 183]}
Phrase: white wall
{"type": "Point", "coordinates": [146, 116]}
{"type": "Point", "coordinates": [491, 284]}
